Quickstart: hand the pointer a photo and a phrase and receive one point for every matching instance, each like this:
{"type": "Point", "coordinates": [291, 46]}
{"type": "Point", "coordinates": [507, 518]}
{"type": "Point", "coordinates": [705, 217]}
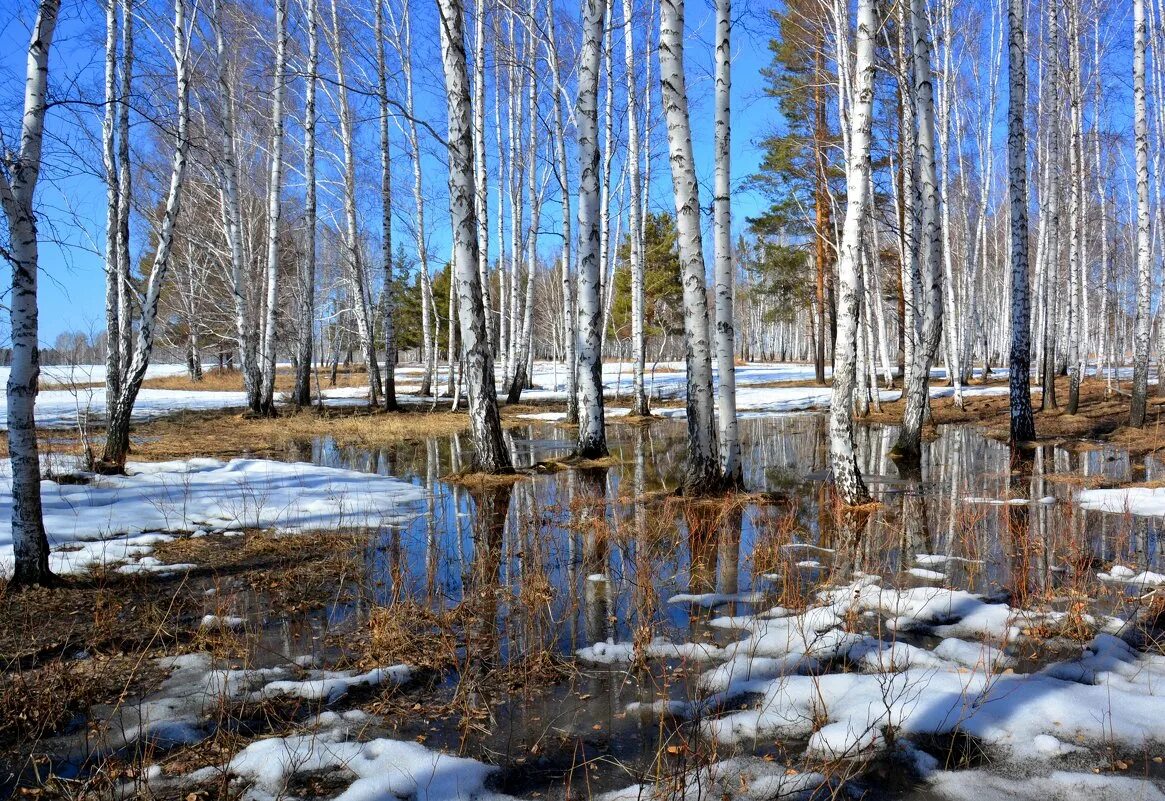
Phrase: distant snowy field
{"type": "Point", "coordinates": [84, 398]}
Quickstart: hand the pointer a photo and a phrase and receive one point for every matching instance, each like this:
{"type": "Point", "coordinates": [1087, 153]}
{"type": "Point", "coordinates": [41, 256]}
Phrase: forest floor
{"type": "Point", "coordinates": [1102, 415]}
{"type": "Point", "coordinates": [77, 659]}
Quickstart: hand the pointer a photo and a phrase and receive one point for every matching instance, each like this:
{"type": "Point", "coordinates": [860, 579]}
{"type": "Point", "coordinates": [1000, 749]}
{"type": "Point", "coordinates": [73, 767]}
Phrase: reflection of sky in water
{"type": "Point", "coordinates": [991, 547]}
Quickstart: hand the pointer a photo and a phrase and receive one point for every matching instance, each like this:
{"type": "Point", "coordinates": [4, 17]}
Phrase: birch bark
{"type": "Point", "coordinates": [18, 180]}
{"type": "Point", "coordinates": [1144, 256]}
{"type": "Point", "coordinates": [703, 469]}
{"type": "Point", "coordinates": [275, 187]}
{"type": "Point", "coordinates": [490, 452]}
{"type": "Point", "coordinates": [301, 395]}
{"type": "Point", "coordinates": [117, 427]}
{"type": "Point", "coordinates": [1022, 425]}
{"type": "Point", "coordinates": [725, 290]}
{"type": "Point", "coordinates": [847, 475]}
{"type": "Point", "coordinates": [929, 243]}
{"type": "Point", "coordinates": [592, 438]}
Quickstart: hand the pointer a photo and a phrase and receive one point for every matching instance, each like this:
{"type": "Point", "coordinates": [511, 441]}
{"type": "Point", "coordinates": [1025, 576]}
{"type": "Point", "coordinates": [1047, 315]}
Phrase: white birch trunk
{"type": "Point", "coordinates": [490, 452]}
{"type": "Point", "coordinates": [481, 176]}
{"type": "Point", "coordinates": [846, 472]}
{"type": "Point", "coordinates": [274, 191]}
{"type": "Point", "coordinates": [354, 263]}
{"type": "Point", "coordinates": [722, 223]}
{"type": "Point", "coordinates": [929, 243]}
{"type": "Point", "coordinates": [592, 438]}
{"type": "Point", "coordinates": [117, 428]}
{"type": "Point", "coordinates": [703, 469]}
{"type": "Point", "coordinates": [18, 179]}
{"type": "Point", "coordinates": [570, 323]}
{"type": "Point", "coordinates": [1144, 256]}
{"type": "Point", "coordinates": [635, 219]}
{"type": "Point", "coordinates": [388, 301]}
{"type": "Point", "coordinates": [301, 395]}
{"type": "Point", "coordinates": [1019, 361]}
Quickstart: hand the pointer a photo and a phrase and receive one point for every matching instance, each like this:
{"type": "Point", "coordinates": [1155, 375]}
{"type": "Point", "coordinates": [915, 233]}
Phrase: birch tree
{"type": "Point", "coordinates": [18, 179]}
{"type": "Point", "coordinates": [490, 452]}
{"type": "Point", "coordinates": [1144, 256]}
{"type": "Point", "coordinates": [722, 212]}
{"type": "Point", "coordinates": [353, 258]}
{"type": "Point", "coordinates": [929, 260]}
{"type": "Point", "coordinates": [117, 426]}
{"type": "Point", "coordinates": [843, 458]}
{"type": "Point", "coordinates": [570, 322]}
{"type": "Point", "coordinates": [1022, 424]}
{"type": "Point", "coordinates": [703, 468]}
{"type": "Point", "coordinates": [274, 207]}
{"type": "Point", "coordinates": [388, 302]}
{"type": "Point", "coordinates": [592, 437]}
{"type": "Point", "coordinates": [301, 394]}
{"type": "Point", "coordinates": [635, 220]}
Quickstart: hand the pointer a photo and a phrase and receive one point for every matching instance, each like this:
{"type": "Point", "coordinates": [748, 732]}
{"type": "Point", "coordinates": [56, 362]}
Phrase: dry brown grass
{"type": "Point", "coordinates": [222, 434]}
{"type": "Point", "coordinates": [1101, 416]}
{"type": "Point", "coordinates": [232, 380]}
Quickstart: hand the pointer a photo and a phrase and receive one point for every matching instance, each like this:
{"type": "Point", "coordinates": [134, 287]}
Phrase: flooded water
{"type": "Point", "coordinates": [565, 559]}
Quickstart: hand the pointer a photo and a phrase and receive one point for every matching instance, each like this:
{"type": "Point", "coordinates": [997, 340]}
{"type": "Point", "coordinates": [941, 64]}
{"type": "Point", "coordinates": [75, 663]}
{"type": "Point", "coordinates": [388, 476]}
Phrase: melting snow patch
{"type": "Point", "coordinates": [383, 769]}
{"type": "Point", "coordinates": [107, 519]}
{"type": "Point", "coordinates": [1131, 500]}
{"type": "Point", "coordinates": [1119, 574]}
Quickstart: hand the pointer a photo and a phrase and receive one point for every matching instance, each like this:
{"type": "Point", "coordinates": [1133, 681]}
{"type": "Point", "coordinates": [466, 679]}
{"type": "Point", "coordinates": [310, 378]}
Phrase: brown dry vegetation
{"type": "Point", "coordinates": [1100, 416]}
{"type": "Point", "coordinates": [91, 640]}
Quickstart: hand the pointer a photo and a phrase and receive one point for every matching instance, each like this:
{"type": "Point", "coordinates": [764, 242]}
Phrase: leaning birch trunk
{"type": "Point", "coordinates": [301, 395]}
{"type": "Point", "coordinates": [388, 301]}
{"type": "Point", "coordinates": [353, 258]}
{"type": "Point", "coordinates": [117, 427]}
{"type": "Point", "coordinates": [929, 244]}
{"type": "Point", "coordinates": [592, 437]}
{"type": "Point", "coordinates": [722, 222]}
{"type": "Point", "coordinates": [570, 324]}
{"type": "Point", "coordinates": [274, 188]}
{"type": "Point", "coordinates": [1144, 257]}
{"type": "Point", "coordinates": [1022, 424]}
{"type": "Point", "coordinates": [703, 469]}
{"type": "Point", "coordinates": [228, 174]}
{"type": "Point", "coordinates": [635, 220]}
{"type": "Point", "coordinates": [847, 475]}
{"type": "Point", "coordinates": [18, 178]}
{"type": "Point", "coordinates": [490, 452]}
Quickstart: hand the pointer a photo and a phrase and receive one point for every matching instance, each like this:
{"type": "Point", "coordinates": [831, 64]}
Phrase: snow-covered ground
{"type": "Point", "coordinates": [113, 519]}
{"type": "Point", "coordinates": [838, 676]}
{"type": "Point", "coordinates": [62, 408]}
{"type": "Point", "coordinates": [781, 682]}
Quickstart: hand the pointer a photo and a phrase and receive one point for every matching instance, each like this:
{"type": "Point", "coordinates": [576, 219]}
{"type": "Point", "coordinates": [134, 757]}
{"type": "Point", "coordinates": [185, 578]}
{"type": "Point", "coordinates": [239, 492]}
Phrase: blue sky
{"type": "Point", "coordinates": [71, 194]}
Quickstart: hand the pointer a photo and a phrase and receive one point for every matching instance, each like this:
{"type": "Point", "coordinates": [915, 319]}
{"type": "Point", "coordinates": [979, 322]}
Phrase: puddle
{"type": "Point", "coordinates": [567, 559]}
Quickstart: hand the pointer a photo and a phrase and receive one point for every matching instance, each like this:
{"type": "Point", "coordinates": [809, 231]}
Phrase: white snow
{"type": "Point", "coordinates": [1146, 501]}
{"type": "Point", "coordinates": [383, 769]}
{"type": "Point", "coordinates": [1119, 574]}
{"type": "Point", "coordinates": [120, 518]}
